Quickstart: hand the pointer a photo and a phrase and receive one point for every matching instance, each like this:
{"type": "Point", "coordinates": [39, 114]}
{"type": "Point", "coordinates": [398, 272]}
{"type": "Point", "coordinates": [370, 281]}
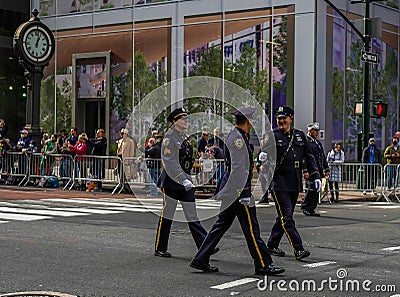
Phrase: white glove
{"type": "Point", "coordinates": [188, 185]}
{"type": "Point", "coordinates": [318, 185]}
{"type": "Point", "coordinates": [262, 156]}
{"type": "Point", "coordinates": [245, 201]}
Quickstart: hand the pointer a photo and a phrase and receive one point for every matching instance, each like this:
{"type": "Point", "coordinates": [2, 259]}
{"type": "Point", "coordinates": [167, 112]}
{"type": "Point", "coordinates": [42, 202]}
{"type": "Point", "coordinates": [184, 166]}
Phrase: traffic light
{"type": "Point", "coordinates": [379, 109]}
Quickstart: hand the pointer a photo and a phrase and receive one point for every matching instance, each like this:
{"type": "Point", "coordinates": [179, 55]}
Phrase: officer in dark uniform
{"type": "Point", "coordinates": [293, 159]}
{"type": "Point", "coordinates": [237, 201]}
{"type": "Point", "coordinates": [311, 198]}
{"type": "Point", "coordinates": [176, 183]}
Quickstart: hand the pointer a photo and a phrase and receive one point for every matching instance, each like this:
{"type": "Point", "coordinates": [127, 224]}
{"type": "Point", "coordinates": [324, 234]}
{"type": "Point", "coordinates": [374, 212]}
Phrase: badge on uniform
{"type": "Point", "coordinates": [167, 151]}
{"type": "Point", "coordinates": [166, 141]}
{"type": "Point", "coordinates": [238, 142]}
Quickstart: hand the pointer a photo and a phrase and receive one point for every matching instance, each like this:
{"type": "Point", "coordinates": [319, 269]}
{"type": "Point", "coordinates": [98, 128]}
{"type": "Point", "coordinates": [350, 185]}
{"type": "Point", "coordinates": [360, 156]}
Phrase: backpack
{"type": "Point", "coordinates": [52, 182]}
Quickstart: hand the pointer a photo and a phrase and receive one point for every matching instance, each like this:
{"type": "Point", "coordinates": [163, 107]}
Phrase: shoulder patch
{"type": "Point", "coordinates": [166, 141]}
{"type": "Point", "coordinates": [238, 142]}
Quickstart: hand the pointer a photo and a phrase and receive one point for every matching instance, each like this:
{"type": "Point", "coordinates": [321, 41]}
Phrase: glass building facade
{"type": "Point", "coordinates": [110, 54]}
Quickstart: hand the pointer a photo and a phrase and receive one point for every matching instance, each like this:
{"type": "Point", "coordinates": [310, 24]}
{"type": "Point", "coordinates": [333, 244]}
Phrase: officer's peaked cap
{"type": "Point", "coordinates": [246, 112]}
{"type": "Point", "coordinates": [177, 114]}
{"type": "Point", "coordinates": [283, 112]}
{"type": "Point", "coordinates": [313, 126]}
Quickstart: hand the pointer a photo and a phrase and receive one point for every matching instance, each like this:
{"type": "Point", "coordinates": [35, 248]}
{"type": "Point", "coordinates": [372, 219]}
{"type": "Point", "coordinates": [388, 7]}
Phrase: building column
{"type": "Point", "coordinates": [304, 63]}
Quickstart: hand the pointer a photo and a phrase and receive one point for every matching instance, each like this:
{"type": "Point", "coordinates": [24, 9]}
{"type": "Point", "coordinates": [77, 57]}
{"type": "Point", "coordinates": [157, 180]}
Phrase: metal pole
{"type": "Point", "coordinates": [366, 87]}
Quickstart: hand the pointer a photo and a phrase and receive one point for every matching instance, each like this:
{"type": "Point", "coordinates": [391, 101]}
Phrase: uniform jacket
{"type": "Point", "coordinates": [236, 182]}
{"type": "Point", "coordinates": [126, 148]}
{"type": "Point", "coordinates": [177, 158]}
{"type": "Point", "coordinates": [319, 155]}
{"type": "Point", "coordinates": [288, 175]}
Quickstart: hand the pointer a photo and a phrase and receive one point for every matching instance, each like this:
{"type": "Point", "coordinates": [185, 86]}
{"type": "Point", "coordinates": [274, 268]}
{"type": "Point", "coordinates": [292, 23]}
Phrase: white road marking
{"type": "Point", "coordinates": [235, 283]}
{"type": "Point", "coordinates": [87, 210]}
{"type": "Point", "coordinates": [41, 212]}
{"type": "Point", "coordinates": [318, 264]}
{"type": "Point", "coordinates": [22, 217]}
{"type": "Point", "coordinates": [393, 248]}
{"type": "Point", "coordinates": [3, 222]}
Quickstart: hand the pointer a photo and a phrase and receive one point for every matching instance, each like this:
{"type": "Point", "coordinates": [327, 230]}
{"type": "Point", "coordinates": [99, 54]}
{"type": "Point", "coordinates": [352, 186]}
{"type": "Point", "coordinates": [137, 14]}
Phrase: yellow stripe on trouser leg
{"type": "Point", "coordinates": [159, 224]}
{"type": "Point", "coordinates": [252, 235]}
{"type": "Point", "coordinates": [282, 221]}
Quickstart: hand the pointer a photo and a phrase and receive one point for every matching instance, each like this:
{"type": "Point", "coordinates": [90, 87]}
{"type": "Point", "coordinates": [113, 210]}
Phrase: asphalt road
{"type": "Point", "coordinates": [104, 247]}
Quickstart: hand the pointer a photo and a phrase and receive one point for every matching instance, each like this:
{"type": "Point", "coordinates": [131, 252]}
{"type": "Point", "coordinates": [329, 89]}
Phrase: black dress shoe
{"type": "Point", "coordinates": [164, 254]}
{"type": "Point", "coordinates": [216, 250]}
{"type": "Point", "coordinates": [269, 270]}
{"type": "Point", "coordinates": [301, 254]}
{"type": "Point", "coordinates": [206, 267]}
{"type": "Point", "coordinates": [263, 200]}
{"type": "Point", "coordinates": [315, 214]}
{"type": "Point", "coordinates": [276, 252]}
{"type": "Point", "coordinates": [306, 212]}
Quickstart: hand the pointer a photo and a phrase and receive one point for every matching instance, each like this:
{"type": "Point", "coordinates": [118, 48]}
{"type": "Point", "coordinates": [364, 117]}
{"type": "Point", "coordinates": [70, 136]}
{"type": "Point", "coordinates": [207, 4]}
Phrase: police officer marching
{"type": "Point", "coordinates": [310, 202]}
{"type": "Point", "coordinates": [176, 183]}
{"type": "Point", "coordinates": [234, 191]}
{"type": "Point", "coordinates": [293, 159]}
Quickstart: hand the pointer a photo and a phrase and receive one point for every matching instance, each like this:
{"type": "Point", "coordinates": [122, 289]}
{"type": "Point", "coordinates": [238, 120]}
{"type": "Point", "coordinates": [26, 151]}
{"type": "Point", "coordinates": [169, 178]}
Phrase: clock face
{"type": "Point", "coordinates": [36, 44]}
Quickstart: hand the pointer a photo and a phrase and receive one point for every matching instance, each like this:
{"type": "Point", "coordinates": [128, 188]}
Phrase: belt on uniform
{"type": "Point", "coordinates": [291, 164]}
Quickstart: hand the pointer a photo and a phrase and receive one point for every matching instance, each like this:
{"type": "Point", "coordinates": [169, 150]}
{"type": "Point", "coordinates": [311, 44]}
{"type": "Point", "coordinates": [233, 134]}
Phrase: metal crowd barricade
{"type": "Point", "coordinates": [16, 165]}
{"type": "Point", "coordinates": [46, 165]}
{"type": "Point", "coordinates": [391, 182]}
{"type": "Point", "coordinates": [359, 177]}
{"type": "Point", "coordinates": [140, 171]}
{"type": "Point", "coordinates": [207, 173]}
{"type": "Point", "coordinates": [90, 168]}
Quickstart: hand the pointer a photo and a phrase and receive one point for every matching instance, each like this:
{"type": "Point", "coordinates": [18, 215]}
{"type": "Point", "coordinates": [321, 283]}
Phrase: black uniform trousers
{"type": "Point", "coordinates": [248, 221]}
{"type": "Point", "coordinates": [311, 198]}
{"type": "Point", "coordinates": [285, 203]}
{"type": "Point", "coordinates": [187, 199]}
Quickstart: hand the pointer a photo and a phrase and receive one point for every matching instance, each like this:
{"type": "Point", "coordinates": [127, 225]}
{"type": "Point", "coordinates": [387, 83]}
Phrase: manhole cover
{"type": "Point", "coordinates": [37, 294]}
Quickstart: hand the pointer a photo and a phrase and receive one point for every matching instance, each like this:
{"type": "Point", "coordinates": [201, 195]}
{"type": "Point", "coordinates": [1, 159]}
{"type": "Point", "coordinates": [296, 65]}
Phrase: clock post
{"type": "Point", "coordinates": [34, 44]}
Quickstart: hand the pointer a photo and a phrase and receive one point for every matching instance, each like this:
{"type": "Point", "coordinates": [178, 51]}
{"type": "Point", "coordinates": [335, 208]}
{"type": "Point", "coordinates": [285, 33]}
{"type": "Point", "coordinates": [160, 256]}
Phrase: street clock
{"type": "Point", "coordinates": [34, 42]}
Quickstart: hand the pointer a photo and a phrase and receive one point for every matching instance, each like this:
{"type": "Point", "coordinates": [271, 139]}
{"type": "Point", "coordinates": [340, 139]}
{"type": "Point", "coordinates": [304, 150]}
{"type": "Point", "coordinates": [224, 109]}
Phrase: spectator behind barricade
{"type": "Point", "coordinates": [23, 141]}
{"type": "Point", "coordinates": [99, 148]}
{"type": "Point", "coordinates": [80, 150]}
{"type": "Point", "coordinates": [62, 139]}
{"type": "Point", "coordinates": [125, 149]}
{"type": "Point", "coordinates": [216, 152]}
{"type": "Point", "coordinates": [73, 137]}
{"type": "Point", "coordinates": [262, 171]}
{"type": "Point", "coordinates": [202, 143]}
{"type": "Point", "coordinates": [392, 155]}
{"type": "Point", "coordinates": [152, 153]}
{"type": "Point", "coordinates": [216, 139]}
{"type": "Point", "coordinates": [47, 162]}
{"type": "Point", "coordinates": [335, 158]}
{"type": "Point", "coordinates": [154, 134]}
{"type": "Point", "coordinates": [4, 147]}
{"type": "Point", "coordinates": [45, 138]}
{"type": "Point", "coordinates": [3, 129]}
{"type": "Point", "coordinates": [65, 169]}
{"type": "Point", "coordinates": [371, 155]}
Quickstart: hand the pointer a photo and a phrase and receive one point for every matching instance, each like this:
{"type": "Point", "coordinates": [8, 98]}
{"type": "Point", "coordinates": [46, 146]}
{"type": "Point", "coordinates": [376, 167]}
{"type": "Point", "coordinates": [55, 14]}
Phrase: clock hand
{"type": "Point", "coordinates": [37, 42]}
